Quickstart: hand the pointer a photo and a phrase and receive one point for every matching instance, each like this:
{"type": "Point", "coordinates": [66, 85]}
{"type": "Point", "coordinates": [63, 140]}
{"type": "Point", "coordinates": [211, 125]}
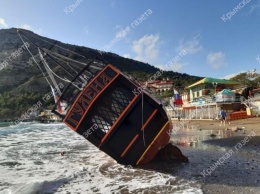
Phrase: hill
{"type": "Point", "coordinates": [22, 84]}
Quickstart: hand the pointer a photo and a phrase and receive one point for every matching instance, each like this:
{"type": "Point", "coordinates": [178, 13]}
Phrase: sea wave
{"type": "Point", "coordinates": [51, 158]}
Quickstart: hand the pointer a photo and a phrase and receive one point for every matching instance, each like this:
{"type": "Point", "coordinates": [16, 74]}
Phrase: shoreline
{"type": "Point", "coordinates": [234, 125]}
{"type": "Point", "coordinates": [224, 164]}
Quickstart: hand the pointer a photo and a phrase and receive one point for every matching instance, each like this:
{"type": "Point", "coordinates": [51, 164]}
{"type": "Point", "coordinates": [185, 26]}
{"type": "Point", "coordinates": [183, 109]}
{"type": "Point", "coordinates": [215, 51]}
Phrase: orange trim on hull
{"type": "Point", "coordinates": [88, 86]}
{"type": "Point", "coordinates": [118, 119]}
{"type": "Point", "coordinates": [149, 119]}
{"type": "Point", "coordinates": [94, 99]}
{"type": "Point", "coordinates": [134, 139]}
{"type": "Point", "coordinates": [67, 115]}
{"type": "Point", "coordinates": [130, 145]}
{"type": "Point", "coordinates": [152, 142]}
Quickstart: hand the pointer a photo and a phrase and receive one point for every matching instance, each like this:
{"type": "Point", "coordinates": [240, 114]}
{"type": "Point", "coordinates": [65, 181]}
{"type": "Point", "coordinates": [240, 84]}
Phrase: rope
{"type": "Point", "coordinates": [143, 117]}
{"type": "Point", "coordinates": [57, 45]}
{"type": "Point", "coordinates": [67, 63]}
{"type": "Point", "coordinates": [66, 80]}
{"type": "Point", "coordinates": [34, 60]}
{"type": "Point", "coordinates": [63, 57]}
{"type": "Point", "coordinates": [50, 74]}
{"type": "Point", "coordinates": [83, 77]}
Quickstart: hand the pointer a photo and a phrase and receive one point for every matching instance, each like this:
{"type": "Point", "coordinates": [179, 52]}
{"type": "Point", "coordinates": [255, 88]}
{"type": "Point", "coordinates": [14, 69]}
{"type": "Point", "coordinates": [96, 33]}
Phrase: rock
{"type": "Point", "coordinates": [212, 135]}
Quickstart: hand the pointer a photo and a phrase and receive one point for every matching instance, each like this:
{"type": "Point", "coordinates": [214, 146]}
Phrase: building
{"type": "Point", "coordinates": [205, 90]}
{"type": "Point", "coordinates": [48, 116]}
{"type": "Point", "coordinates": [205, 98]}
{"type": "Point", "coordinates": [160, 86]}
{"type": "Point", "coordinates": [256, 93]}
{"type": "Point", "coordinates": [252, 103]}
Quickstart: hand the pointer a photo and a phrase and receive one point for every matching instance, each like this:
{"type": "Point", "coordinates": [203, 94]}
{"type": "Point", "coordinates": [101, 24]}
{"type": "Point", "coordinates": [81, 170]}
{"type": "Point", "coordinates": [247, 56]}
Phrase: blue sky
{"type": "Point", "coordinates": [214, 47]}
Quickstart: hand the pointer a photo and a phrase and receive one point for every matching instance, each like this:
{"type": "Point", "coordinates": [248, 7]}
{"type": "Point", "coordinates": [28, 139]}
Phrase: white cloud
{"type": "Point", "coordinates": [237, 73]}
{"type": "Point", "coordinates": [2, 23]}
{"type": "Point", "coordinates": [121, 34]}
{"type": "Point", "coordinates": [147, 48]}
{"type": "Point", "coordinates": [177, 67]}
{"type": "Point", "coordinates": [127, 56]}
{"type": "Point", "coordinates": [191, 46]}
{"type": "Point", "coordinates": [26, 27]}
{"type": "Point", "coordinates": [216, 60]}
{"type": "Point", "coordinates": [232, 75]}
{"type": "Point", "coordinates": [254, 7]}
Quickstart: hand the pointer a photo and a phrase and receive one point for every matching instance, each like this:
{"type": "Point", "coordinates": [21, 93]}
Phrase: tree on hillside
{"type": "Point", "coordinates": [247, 80]}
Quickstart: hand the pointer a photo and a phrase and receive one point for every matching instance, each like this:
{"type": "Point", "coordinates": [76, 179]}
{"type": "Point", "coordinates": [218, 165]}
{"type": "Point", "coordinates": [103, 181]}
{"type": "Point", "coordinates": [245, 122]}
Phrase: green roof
{"type": "Point", "coordinates": [213, 80]}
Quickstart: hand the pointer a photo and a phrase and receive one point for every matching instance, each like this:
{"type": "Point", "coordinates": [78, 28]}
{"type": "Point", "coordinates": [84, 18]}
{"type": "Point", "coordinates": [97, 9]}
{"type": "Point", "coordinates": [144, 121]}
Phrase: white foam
{"type": "Point", "coordinates": [33, 163]}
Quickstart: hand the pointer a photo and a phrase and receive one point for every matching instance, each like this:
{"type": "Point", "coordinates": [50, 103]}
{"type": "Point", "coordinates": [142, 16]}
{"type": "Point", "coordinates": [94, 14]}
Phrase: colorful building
{"type": "Point", "coordinates": [160, 86]}
{"type": "Point", "coordinates": [205, 90]}
{"type": "Point", "coordinates": [205, 98]}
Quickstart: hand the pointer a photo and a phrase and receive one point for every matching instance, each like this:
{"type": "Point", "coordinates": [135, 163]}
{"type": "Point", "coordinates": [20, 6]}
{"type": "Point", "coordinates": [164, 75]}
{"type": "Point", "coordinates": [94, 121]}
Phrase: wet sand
{"type": "Point", "coordinates": [223, 159]}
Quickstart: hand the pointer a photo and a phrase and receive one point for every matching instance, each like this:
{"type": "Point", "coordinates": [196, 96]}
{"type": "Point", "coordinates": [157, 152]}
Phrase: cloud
{"type": "Point", "coordinates": [127, 56]}
{"type": "Point", "coordinates": [216, 60]}
{"type": "Point", "coordinates": [28, 27]}
{"type": "Point", "coordinates": [2, 23]}
{"type": "Point", "coordinates": [191, 46]}
{"type": "Point", "coordinates": [121, 34]}
{"type": "Point", "coordinates": [254, 7]}
{"type": "Point", "coordinates": [232, 75]}
{"type": "Point", "coordinates": [147, 48]}
{"type": "Point", "coordinates": [237, 73]}
{"type": "Point", "coordinates": [177, 67]}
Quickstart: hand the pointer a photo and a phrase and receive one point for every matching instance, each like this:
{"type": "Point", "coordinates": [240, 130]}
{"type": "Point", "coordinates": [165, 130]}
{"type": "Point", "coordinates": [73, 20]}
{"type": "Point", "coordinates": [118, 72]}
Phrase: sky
{"type": "Point", "coordinates": [215, 38]}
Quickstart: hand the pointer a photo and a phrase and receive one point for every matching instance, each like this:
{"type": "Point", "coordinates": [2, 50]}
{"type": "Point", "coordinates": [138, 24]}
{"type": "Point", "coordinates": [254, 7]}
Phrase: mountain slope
{"type": "Point", "coordinates": [20, 75]}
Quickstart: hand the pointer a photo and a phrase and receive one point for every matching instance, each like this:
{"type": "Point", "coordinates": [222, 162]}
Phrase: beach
{"type": "Point", "coordinates": [225, 158]}
{"type": "Point", "coordinates": [31, 162]}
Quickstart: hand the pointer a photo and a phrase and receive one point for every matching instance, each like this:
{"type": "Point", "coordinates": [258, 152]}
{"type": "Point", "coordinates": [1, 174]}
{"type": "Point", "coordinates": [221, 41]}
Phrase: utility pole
{"type": "Point", "coordinates": [215, 86]}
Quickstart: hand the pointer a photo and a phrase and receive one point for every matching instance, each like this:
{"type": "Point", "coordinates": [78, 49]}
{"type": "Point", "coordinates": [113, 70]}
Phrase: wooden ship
{"type": "Point", "coordinates": [99, 103]}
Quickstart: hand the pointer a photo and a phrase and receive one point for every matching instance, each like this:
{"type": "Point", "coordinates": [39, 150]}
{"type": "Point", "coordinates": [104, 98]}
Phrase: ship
{"type": "Point", "coordinates": [110, 109]}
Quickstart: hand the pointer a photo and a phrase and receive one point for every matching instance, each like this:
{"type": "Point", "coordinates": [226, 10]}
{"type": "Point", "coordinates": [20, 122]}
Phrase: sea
{"type": "Point", "coordinates": [38, 158]}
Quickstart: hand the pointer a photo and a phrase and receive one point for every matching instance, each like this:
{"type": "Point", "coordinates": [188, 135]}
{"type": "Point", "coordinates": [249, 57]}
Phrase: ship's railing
{"type": "Point", "coordinates": [75, 86]}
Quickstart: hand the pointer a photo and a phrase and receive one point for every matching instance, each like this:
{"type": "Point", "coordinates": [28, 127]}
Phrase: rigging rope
{"type": "Point", "coordinates": [66, 80]}
{"type": "Point", "coordinates": [34, 60]}
{"type": "Point", "coordinates": [44, 40]}
{"type": "Point", "coordinates": [57, 56]}
{"type": "Point", "coordinates": [49, 72]}
{"type": "Point", "coordinates": [143, 117]}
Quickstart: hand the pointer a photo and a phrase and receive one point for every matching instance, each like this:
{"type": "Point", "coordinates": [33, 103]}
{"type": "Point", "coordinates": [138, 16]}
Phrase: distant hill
{"type": "Point", "coordinates": [22, 84]}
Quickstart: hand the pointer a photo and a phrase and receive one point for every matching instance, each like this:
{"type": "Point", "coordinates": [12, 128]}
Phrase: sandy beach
{"type": "Point", "coordinates": [220, 161]}
{"type": "Point", "coordinates": [223, 159]}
